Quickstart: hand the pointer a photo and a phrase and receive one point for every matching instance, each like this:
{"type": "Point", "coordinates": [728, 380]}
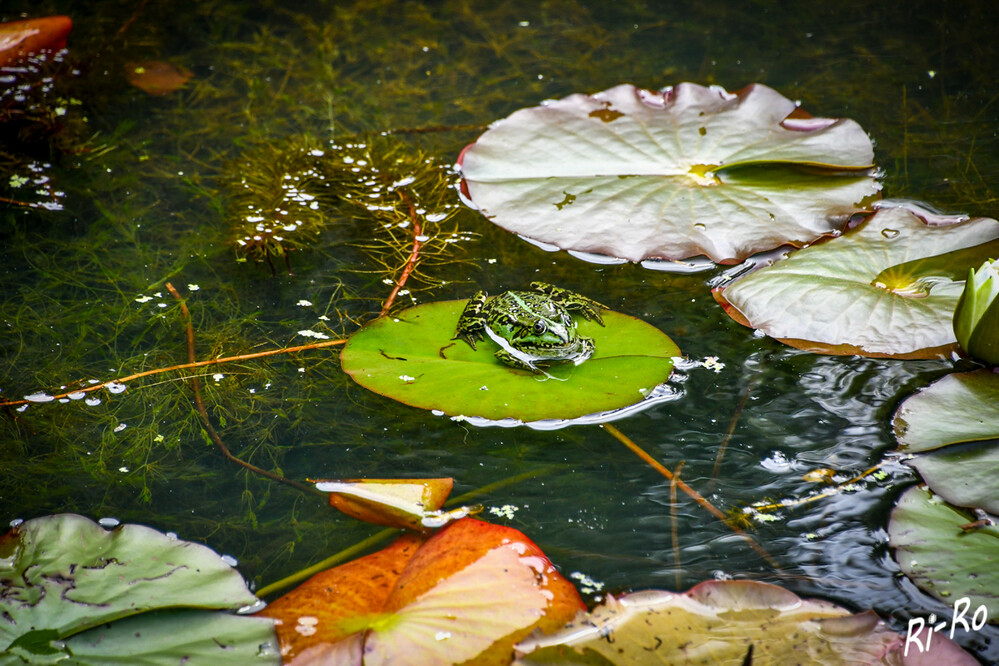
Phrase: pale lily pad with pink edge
{"type": "Point", "coordinates": [885, 288]}
{"type": "Point", "coordinates": [729, 622]}
{"type": "Point", "coordinates": [688, 171]}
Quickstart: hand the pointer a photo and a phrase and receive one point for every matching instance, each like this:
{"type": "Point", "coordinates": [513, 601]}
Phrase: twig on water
{"type": "Point", "coordinates": [835, 490]}
{"type": "Point", "coordinates": [182, 366]}
{"type": "Point", "coordinates": [203, 413]}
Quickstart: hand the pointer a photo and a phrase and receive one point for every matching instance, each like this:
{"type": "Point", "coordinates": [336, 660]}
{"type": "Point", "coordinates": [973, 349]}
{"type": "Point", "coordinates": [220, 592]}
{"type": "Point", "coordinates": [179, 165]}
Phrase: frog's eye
{"type": "Point", "coordinates": [540, 327]}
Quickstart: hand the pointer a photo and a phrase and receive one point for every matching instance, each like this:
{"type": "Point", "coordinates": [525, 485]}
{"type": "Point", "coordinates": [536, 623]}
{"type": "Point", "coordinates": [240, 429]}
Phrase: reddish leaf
{"type": "Point", "coordinates": [314, 618]}
{"type": "Point", "coordinates": [19, 39]}
{"type": "Point", "coordinates": [156, 77]}
{"type": "Point", "coordinates": [471, 592]}
{"type": "Point", "coordinates": [404, 503]}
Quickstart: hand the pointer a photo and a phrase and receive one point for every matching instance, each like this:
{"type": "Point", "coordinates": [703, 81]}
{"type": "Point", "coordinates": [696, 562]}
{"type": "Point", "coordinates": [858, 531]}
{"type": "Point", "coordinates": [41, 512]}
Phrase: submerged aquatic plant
{"type": "Point", "coordinates": [275, 204]}
{"type": "Point", "coordinates": [284, 198]}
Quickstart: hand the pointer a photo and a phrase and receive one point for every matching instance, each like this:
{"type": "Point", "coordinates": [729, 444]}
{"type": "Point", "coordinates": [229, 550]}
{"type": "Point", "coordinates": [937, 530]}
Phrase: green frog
{"type": "Point", "coordinates": [532, 328]}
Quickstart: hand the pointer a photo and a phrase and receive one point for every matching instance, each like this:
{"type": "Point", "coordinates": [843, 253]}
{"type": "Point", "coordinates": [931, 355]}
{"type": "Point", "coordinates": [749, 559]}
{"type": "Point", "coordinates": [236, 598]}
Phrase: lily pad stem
{"type": "Point", "coordinates": [414, 255]}
{"type": "Point", "coordinates": [696, 496]}
{"type": "Point", "coordinates": [750, 387]}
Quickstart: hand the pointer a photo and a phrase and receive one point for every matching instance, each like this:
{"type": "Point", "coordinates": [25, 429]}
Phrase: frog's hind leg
{"type": "Point", "coordinates": [472, 323]}
{"type": "Point", "coordinates": [571, 301]}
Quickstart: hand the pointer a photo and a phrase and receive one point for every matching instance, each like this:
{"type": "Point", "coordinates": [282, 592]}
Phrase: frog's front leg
{"type": "Point", "coordinates": [571, 301]}
{"type": "Point", "coordinates": [586, 349]}
{"type": "Point", "coordinates": [506, 358]}
{"type": "Point", "coordinates": [472, 323]}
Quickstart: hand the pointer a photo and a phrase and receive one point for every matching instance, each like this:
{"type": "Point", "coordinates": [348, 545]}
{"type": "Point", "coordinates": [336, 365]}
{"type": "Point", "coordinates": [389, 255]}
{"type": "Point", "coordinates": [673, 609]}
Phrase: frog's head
{"type": "Point", "coordinates": [547, 329]}
{"type": "Point", "coordinates": [531, 328]}
{"type": "Point", "coordinates": [544, 331]}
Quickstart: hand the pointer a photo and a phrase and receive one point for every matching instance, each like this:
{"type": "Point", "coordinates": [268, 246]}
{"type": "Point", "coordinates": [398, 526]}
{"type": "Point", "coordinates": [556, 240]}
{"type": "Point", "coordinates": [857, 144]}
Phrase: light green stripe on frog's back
{"type": "Point", "coordinates": [520, 301]}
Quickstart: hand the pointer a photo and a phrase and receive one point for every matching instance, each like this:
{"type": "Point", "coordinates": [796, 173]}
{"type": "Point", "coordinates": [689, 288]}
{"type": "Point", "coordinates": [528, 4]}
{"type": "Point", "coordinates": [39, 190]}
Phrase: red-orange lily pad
{"type": "Point", "coordinates": [19, 39]}
{"type": "Point", "coordinates": [406, 503]}
{"type": "Point", "coordinates": [324, 616]}
{"type": "Point", "coordinates": [157, 77]}
{"type": "Point", "coordinates": [470, 592]}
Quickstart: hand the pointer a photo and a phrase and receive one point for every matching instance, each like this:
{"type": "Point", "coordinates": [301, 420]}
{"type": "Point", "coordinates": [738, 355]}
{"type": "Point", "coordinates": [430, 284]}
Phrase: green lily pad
{"type": "Point", "coordinates": [837, 297]}
{"type": "Point", "coordinates": [954, 425]}
{"type": "Point", "coordinates": [961, 407]}
{"type": "Point", "coordinates": [62, 574]}
{"type": "Point", "coordinates": [173, 637]}
{"type": "Point", "coordinates": [940, 557]}
{"type": "Point", "coordinates": [963, 475]}
{"type": "Point", "coordinates": [637, 174]}
{"type": "Point", "coordinates": [728, 622]}
{"type": "Point", "coordinates": [951, 265]}
{"type": "Point", "coordinates": [411, 358]}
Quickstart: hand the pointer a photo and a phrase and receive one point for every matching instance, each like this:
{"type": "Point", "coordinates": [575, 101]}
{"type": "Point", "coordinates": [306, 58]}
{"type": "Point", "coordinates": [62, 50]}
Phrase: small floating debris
{"type": "Point", "coordinates": [156, 77]}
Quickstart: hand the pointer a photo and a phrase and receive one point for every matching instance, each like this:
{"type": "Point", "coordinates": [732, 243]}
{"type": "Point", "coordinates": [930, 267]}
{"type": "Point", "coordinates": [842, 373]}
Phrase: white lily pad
{"type": "Point", "coordinates": [885, 288]}
{"type": "Point", "coordinates": [62, 574]}
{"type": "Point", "coordinates": [940, 557]}
{"type": "Point", "coordinates": [638, 174]}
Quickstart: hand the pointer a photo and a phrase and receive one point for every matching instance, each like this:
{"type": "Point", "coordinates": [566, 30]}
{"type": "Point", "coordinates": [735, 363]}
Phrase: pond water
{"type": "Point", "coordinates": [144, 192]}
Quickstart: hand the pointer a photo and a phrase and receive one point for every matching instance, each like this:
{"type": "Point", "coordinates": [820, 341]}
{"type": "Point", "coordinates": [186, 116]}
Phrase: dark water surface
{"type": "Point", "coordinates": [145, 201]}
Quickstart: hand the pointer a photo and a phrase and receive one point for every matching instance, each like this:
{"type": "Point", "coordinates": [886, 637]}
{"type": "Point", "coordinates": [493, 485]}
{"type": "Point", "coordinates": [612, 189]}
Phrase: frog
{"type": "Point", "coordinates": [534, 329]}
